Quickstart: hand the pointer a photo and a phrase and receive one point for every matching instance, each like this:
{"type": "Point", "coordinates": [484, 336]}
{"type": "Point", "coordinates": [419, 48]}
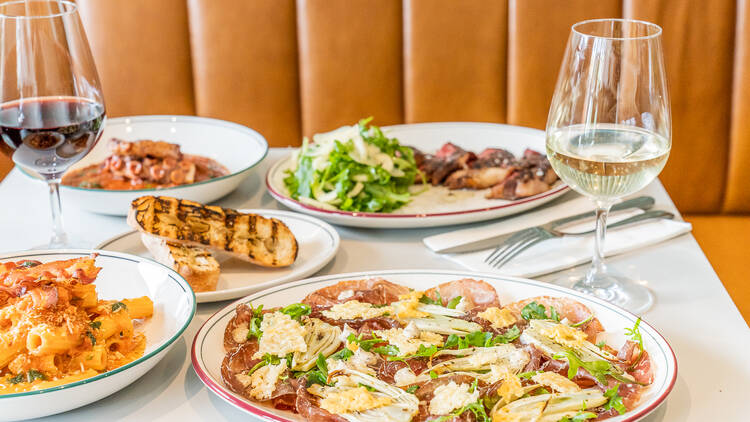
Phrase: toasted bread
{"type": "Point", "coordinates": [263, 241]}
{"type": "Point", "coordinates": [196, 264]}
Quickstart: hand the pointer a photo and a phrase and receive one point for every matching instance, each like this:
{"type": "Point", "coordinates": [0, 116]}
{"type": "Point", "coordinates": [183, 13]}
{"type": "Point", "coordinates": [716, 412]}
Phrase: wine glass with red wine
{"type": "Point", "coordinates": [51, 106]}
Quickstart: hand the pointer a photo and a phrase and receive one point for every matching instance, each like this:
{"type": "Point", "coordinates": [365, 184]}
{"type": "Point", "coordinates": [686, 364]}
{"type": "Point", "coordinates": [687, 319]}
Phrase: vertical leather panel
{"type": "Point", "coordinates": [142, 54]}
{"type": "Point", "coordinates": [245, 65]}
{"type": "Point", "coordinates": [455, 60]}
{"type": "Point", "coordinates": [538, 33]}
{"type": "Point", "coordinates": [5, 166]}
{"type": "Point", "coordinates": [737, 197]}
{"type": "Point", "coordinates": [350, 54]}
{"type": "Point", "coordinates": [698, 39]}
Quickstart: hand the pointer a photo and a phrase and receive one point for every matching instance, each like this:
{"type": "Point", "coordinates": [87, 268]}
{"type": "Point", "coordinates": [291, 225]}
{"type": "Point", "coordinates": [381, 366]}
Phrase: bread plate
{"type": "Point", "coordinates": [208, 346]}
{"type": "Point", "coordinates": [122, 275]}
{"type": "Point", "coordinates": [438, 206]}
{"type": "Point", "coordinates": [318, 243]}
{"type": "Point", "coordinates": [237, 147]}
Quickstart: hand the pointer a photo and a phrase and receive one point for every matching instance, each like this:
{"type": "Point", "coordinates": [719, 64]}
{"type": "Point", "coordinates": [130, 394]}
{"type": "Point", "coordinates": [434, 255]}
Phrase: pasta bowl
{"type": "Point", "coordinates": [122, 276]}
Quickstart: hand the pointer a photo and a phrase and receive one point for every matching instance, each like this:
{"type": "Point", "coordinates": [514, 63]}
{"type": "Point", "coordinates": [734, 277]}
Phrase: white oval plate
{"type": "Point", "coordinates": [237, 147]}
{"type": "Point", "coordinates": [318, 244]}
{"type": "Point", "coordinates": [208, 346]}
{"type": "Point", "coordinates": [122, 276]}
{"type": "Point", "coordinates": [439, 206]}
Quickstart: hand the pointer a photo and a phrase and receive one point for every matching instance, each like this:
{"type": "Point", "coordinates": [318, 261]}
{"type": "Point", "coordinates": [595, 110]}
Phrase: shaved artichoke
{"type": "Point", "coordinates": [548, 407]}
{"type": "Point", "coordinates": [480, 359]}
{"type": "Point", "coordinates": [403, 405]}
{"type": "Point", "coordinates": [321, 338]}
{"type": "Point", "coordinates": [446, 325]}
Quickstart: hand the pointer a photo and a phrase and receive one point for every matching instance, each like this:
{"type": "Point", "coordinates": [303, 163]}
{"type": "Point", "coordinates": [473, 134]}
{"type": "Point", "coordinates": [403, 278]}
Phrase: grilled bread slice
{"type": "Point", "coordinates": [263, 241]}
{"type": "Point", "coordinates": [196, 264]}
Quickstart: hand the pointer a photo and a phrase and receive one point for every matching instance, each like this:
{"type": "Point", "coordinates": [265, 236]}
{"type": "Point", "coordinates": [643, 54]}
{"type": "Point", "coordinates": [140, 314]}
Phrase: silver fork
{"type": "Point", "coordinates": [528, 238]}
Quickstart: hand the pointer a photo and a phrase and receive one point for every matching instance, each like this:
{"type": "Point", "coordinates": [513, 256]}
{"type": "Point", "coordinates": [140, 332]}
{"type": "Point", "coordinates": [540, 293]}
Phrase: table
{"type": "Point", "coordinates": [693, 310]}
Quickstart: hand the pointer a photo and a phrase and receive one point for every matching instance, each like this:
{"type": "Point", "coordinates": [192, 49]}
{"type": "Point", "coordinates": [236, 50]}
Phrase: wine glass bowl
{"type": "Point", "coordinates": [51, 106]}
{"type": "Point", "coordinates": [609, 130]}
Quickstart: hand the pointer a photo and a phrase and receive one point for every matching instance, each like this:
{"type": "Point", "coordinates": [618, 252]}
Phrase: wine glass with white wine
{"type": "Point", "coordinates": [609, 131]}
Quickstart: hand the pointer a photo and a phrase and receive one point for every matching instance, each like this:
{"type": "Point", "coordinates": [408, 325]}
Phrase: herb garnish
{"type": "Point", "coordinates": [536, 311]}
{"type": "Point", "coordinates": [91, 337]}
{"type": "Point", "coordinates": [28, 264]}
{"type": "Point", "coordinates": [30, 376]}
{"type": "Point", "coordinates": [635, 334]}
{"type": "Point", "coordinates": [95, 324]}
{"type": "Point", "coordinates": [118, 305]}
{"type": "Point", "coordinates": [296, 310]}
{"type": "Point", "coordinates": [599, 369]}
{"type": "Point", "coordinates": [614, 400]}
{"type": "Point", "coordinates": [477, 408]}
{"type": "Point", "coordinates": [412, 389]}
{"type": "Point", "coordinates": [366, 345]}
{"type": "Point", "coordinates": [254, 325]}
{"type": "Point", "coordinates": [429, 301]}
{"type": "Point", "coordinates": [343, 354]}
{"type": "Point", "coordinates": [454, 302]}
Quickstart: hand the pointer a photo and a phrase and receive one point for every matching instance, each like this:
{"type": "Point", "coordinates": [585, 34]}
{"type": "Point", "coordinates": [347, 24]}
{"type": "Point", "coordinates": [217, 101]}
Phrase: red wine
{"type": "Point", "coordinates": [49, 134]}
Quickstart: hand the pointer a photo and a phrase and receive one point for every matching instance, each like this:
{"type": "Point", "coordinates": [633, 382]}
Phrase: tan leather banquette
{"type": "Point", "coordinates": [290, 68]}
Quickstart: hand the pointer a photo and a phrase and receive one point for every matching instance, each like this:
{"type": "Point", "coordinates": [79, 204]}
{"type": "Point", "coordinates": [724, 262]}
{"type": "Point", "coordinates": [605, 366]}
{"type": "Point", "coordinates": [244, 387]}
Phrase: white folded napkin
{"type": "Point", "coordinates": [560, 253]}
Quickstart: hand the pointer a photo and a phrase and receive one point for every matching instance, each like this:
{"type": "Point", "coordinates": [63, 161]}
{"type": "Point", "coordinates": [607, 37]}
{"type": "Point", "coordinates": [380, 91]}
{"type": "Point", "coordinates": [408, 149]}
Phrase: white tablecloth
{"type": "Point", "coordinates": [692, 309]}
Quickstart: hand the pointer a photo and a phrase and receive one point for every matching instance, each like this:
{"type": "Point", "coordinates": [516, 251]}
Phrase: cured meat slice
{"type": "Point", "coordinates": [376, 291]}
{"type": "Point", "coordinates": [238, 361]}
{"type": "Point", "coordinates": [478, 294]}
{"type": "Point", "coordinates": [573, 310]}
{"type": "Point", "coordinates": [308, 408]}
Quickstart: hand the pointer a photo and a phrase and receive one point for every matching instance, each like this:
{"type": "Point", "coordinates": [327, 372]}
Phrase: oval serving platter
{"type": "Point", "coordinates": [208, 351]}
{"type": "Point", "coordinates": [438, 206]}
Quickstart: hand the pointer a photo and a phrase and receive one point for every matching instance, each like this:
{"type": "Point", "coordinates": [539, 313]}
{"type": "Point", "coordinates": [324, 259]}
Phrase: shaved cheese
{"type": "Point", "coordinates": [406, 345]}
{"type": "Point", "coordinates": [499, 318]}
{"type": "Point", "coordinates": [510, 389]}
{"type": "Point", "coordinates": [562, 334]}
{"type": "Point", "coordinates": [407, 305]}
{"type": "Point", "coordinates": [281, 335]}
{"type": "Point", "coordinates": [356, 309]}
{"type": "Point", "coordinates": [404, 376]}
{"type": "Point", "coordinates": [352, 400]}
{"type": "Point", "coordinates": [239, 334]}
{"type": "Point", "coordinates": [346, 294]}
{"type": "Point", "coordinates": [452, 396]}
{"type": "Point", "coordinates": [556, 382]}
{"type": "Point", "coordinates": [263, 381]}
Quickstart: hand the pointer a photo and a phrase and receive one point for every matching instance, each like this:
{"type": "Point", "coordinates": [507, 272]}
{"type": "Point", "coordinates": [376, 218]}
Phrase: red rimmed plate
{"type": "Point", "coordinates": [208, 350]}
{"type": "Point", "coordinates": [439, 206]}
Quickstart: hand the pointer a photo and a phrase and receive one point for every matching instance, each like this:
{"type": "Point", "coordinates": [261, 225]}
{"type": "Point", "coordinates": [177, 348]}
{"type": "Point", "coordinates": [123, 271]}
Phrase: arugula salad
{"type": "Point", "coordinates": [372, 350]}
{"type": "Point", "coordinates": [353, 168]}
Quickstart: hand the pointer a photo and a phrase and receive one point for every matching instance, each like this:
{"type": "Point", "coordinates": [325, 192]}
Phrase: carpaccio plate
{"type": "Point", "coordinates": [208, 349]}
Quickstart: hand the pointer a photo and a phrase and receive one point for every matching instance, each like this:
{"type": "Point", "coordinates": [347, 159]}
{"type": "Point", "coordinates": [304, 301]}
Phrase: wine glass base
{"type": "Point", "coordinates": [615, 289]}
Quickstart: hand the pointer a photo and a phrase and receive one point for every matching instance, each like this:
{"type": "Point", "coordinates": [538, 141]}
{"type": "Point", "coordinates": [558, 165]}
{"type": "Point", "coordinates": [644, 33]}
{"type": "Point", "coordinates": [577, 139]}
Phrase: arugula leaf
{"type": "Point", "coordinates": [540, 391]}
{"type": "Point", "coordinates": [343, 354]}
{"type": "Point", "coordinates": [95, 324]}
{"type": "Point", "coordinates": [296, 310]}
{"type": "Point", "coordinates": [478, 339]}
{"type": "Point", "coordinates": [451, 341]}
{"type": "Point", "coordinates": [320, 362]}
{"type": "Point", "coordinates": [579, 417]}
{"type": "Point", "coordinates": [477, 408]}
{"type": "Point", "coordinates": [433, 374]}
{"type": "Point", "coordinates": [315, 377]}
{"type": "Point", "coordinates": [614, 400]}
{"type": "Point", "coordinates": [579, 323]}
{"type": "Point", "coordinates": [367, 387]}
{"type": "Point", "coordinates": [599, 369]}
{"type": "Point", "coordinates": [366, 345]}
{"type": "Point", "coordinates": [429, 301]}
{"type": "Point", "coordinates": [117, 306]}
{"type": "Point", "coordinates": [473, 386]}
{"type": "Point", "coordinates": [536, 311]}
{"type": "Point", "coordinates": [412, 389]}
{"type": "Point", "coordinates": [528, 375]}
{"type": "Point", "coordinates": [601, 344]}
{"type": "Point", "coordinates": [509, 335]}
{"type": "Point", "coordinates": [453, 302]}
{"type": "Point", "coordinates": [267, 359]}
{"type": "Point", "coordinates": [388, 350]}
{"type": "Point", "coordinates": [635, 334]}
{"type": "Point", "coordinates": [254, 328]}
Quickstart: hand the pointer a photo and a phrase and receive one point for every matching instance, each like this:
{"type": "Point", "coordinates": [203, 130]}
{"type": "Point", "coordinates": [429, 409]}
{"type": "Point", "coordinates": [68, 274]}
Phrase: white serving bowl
{"type": "Point", "coordinates": [122, 276]}
{"type": "Point", "coordinates": [237, 147]}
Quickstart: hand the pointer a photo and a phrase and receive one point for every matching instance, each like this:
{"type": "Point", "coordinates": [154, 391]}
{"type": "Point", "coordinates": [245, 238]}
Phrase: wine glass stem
{"type": "Point", "coordinates": [59, 237]}
{"type": "Point", "coordinates": [598, 268]}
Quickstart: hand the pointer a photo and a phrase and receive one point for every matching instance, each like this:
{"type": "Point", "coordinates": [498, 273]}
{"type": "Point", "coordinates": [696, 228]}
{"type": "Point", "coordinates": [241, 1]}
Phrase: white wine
{"type": "Point", "coordinates": [607, 161]}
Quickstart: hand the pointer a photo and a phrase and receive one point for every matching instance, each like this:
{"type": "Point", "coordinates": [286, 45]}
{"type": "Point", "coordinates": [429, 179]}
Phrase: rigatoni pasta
{"type": "Point", "coordinates": [55, 330]}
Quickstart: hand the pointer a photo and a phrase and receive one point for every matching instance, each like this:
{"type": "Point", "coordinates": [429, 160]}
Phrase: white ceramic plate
{"type": "Point", "coordinates": [208, 350]}
{"type": "Point", "coordinates": [439, 206]}
{"type": "Point", "coordinates": [318, 244]}
{"type": "Point", "coordinates": [122, 276]}
{"type": "Point", "coordinates": [237, 147]}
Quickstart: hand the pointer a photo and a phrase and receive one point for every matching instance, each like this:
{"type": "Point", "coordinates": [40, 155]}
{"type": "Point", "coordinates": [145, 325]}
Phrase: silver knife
{"type": "Point", "coordinates": [642, 202]}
